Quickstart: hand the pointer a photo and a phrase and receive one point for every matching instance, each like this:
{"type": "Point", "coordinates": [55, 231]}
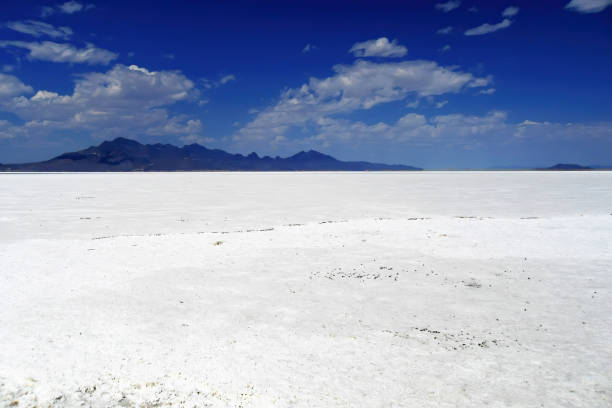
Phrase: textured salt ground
{"type": "Point", "coordinates": [384, 302]}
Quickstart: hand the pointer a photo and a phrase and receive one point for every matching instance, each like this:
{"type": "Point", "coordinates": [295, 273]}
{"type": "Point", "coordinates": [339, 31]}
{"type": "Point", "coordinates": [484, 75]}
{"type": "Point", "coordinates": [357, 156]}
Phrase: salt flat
{"type": "Point", "coordinates": [428, 289]}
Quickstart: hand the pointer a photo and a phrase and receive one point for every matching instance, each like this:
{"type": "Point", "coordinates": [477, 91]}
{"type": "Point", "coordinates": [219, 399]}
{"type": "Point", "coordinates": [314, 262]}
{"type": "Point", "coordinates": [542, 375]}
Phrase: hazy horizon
{"type": "Point", "coordinates": [595, 166]}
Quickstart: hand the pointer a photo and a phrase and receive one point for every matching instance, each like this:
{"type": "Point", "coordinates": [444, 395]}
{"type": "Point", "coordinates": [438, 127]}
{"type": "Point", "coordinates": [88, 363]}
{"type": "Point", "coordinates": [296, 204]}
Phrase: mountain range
{"type": "Point", "coordinates": [567, 166]}
{"type": "Point", "coordinates": [123, 154]}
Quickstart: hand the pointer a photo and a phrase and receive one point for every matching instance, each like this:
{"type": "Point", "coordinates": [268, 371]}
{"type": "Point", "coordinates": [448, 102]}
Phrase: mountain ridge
{"type": "Point", "coordinates": [566, 167]}
{"type": "Point", "coordinates": [122, 154]}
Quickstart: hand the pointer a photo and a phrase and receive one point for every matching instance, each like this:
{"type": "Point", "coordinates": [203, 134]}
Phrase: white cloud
{"type": "Point", "coordinates": [308, 48]}
{"type": "Point", "coordinates": [8, 68]}
{"type": "Point", "coordinates": [445, 30]}
{"type": "Point", "coordinates": [9, 130]}
{"type": "Point", "coordinates": [380, 47]}
{"type": "Point", "coordinates": [168, 56]}
{"type": "Point", "coordinates": [42, 95]}
{"type": "Point", "coordinates": [202, 140]}
{"type": "Point", "coordinates": [473, 9]}
{"type": "Point", "coordinates": [459, 130]}
{"type": "Point", "coordinates": [123, 101]}
{"type": "Point", "coordinates": [489, 91]}
{"type": "Point", "coordinates": [318, 114]}
{"type": "Point", "coordinates": [414, 104]}
{"type": "Point", "coordinates": [588, 6]}
{"type": "Point", "coordinates": [445, 48]}
{"type": "Point", "coordinates": [448, 6]}
{"type": "Point", "coordinates": [227, 78]}
{"type": "Point", "coordinates": [362, 85]}
{"type": "Point", "coordinates": [411, 129]}
{"type": "Point", "coordinates": [62, 52]}
{"type": "Point", "coordinates": [69, 7]}
{"type": "Point", "coordinates": [12, 86]}
{"type": "Point", "coordinates": [210, 84]}
{"type": "Point", "coordinates": [489, 28]}
{"type": "Point", "coordinates": [510, 11]}
{"type": "Point", "coordinates": [5, 129]}
{"type": "Point", "coordinates": [39, 29]}
{"type": "Point", "coordinates": [551, 131]}
{"type": "Point", "coordinates": [480, 82]}
{"type": "Point", "coordinates": [46, 11]}
{"type": "Point", "coordinates": [141, 69]}
{"type": "Point", "coordinates": [528, 122]}
{"type": "Point", "coordinates": [178, 125]}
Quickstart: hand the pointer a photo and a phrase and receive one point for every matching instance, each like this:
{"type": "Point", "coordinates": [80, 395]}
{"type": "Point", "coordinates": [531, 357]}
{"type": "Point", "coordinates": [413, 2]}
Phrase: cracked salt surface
{"type": "Point", "coordinates": [324, 289]}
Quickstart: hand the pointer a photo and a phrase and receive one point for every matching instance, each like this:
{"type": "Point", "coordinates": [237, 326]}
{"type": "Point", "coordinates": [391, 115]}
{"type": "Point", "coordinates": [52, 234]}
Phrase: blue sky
{"type": "Point", "coordinates": [438, 84]}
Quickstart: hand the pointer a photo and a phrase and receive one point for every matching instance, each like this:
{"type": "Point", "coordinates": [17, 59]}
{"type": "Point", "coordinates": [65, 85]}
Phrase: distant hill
{"type": "Point", "coordinates": [565, 166]}
{"type": "Point", "coordinates": [124, 154]}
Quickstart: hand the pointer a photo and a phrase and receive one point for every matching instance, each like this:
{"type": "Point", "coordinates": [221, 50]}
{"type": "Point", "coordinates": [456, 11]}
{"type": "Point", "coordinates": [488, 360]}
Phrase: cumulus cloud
{"type": "Point", "coordinates": [69, 7]}
{"type": "Point", "coordinates": [12, 86]}
{"type": "Point", "coordinates": [361, 85]}
{"type": "Point", "coordinates": [124, 101]}
{"type": "Point", "coordinates": [588, 6]}
{"type": "Point", "coordinates": [39, 29]}
{"type": "Point", "coordinates": [457, 130]}
{"type": "Point", "coordinates": [448, 6]}
{"type": "Point", "coordinates": [412, 128]}
{"type": "Point", "coordinates": [42, 95]}
{"type": "Point", "coordinates": [63, 52]}
{"type": "Point", "coordinates": [5, 129]}
{"type": "Point", "coordinates": [380, 47]}
{"type": "Point", "coordinates": [445, 30]}
{"type": "Point", "coordinates": [510, 11]}
{"type": "Point", "coordinates": [319, 114]}
{"type": "Point", "coordinates": [487, 28]}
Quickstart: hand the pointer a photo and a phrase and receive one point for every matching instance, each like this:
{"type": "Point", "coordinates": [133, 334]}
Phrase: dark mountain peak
{"type": "Point", "coordinates": [567, 166]}
{"type": "Point", "coordinates": [311, 155]}
{"type": "Point", "coordinates": [194, 147]}
{"type": "Point", "coordinates": [163, 145]}
{"type": "Point", "coordinates": [122, 154]}
{"type": "Point", "coordinates": [122, 141]}
{"type": "Point", "coordinates": [120, 144]}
